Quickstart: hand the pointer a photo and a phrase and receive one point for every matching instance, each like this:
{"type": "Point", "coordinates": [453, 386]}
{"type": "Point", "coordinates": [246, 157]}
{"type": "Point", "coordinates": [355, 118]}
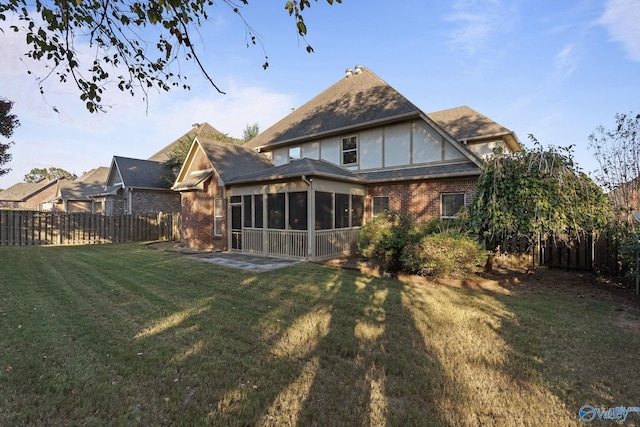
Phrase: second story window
{"type": "Point", "coordinates": [350, 151]}
{"type": "Point", "coordinates": [294, 153]}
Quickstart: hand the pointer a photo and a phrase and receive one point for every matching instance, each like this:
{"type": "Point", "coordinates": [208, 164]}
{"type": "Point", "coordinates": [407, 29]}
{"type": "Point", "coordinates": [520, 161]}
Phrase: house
{"type": "Point", "coordinates": [29, 195]}
{"type": "Point", "coordinates": [74, 196]}
{"type": "Point", "coordinates": [135, 186]}
{"type": "Point", "coordinates": [357, 149]}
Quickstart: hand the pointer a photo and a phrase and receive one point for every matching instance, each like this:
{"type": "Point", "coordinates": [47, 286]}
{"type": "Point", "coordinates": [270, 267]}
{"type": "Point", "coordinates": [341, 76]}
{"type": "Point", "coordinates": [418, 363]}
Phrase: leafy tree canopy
{"type": "Point", "coordinates": [250, 132]}
{"type": "Point", "coordinates": [617, 151]}
{"type": "Point", "coordinates": [135, 41]}
{"type": "Point", "coordinates": [38, 174]}
{"type": "Point", "coordinates": [536, 192]}
{"type": "Point", "coordinates": [8, 122]}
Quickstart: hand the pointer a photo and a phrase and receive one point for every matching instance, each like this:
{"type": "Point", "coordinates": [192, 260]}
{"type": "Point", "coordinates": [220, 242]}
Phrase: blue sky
{"type": "Point", "coordinates": [554, 69]}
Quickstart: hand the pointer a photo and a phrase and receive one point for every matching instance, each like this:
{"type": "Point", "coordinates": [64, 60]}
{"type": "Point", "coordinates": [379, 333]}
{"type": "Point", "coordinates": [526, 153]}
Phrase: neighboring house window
{"type": "Point", "coordinates": [217, 216]}
{"type": "Point", "coordinates": [450, 204]}
{"type": "Point", "coordinates": [350, 151]}
{"type": "Point", "coordinates": [380, 204]}
{"type": "Point", "coordinates": [294, 153]}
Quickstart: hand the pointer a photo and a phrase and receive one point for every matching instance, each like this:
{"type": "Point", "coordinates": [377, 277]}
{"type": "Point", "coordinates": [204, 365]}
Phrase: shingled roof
{"type": "Point", "coordinates": [298, 168]}
{"type": "Point", "coordinates": [198, 129]}
{"type": "Point", "coordinates": [229, 160]}
{"type": "Point", "coordinates": [356, 101]}
{"type": "Point", "coordinates": [138, 173]}
{"type": "Point", "coordinates": [81, 188]}
{"type": "Point", "coordinates": [23, 190]}
{"type": "Point", "coordinates": [467, 125]}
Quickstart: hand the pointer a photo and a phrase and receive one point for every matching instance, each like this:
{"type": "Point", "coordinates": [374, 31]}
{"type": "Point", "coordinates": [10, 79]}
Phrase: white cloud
{"type": "Point", "coordinates": [622, 18]}
{"type": "Point", "coordinates": [566, 61]}
{"type": "Point", "coordinates": [476, 21]}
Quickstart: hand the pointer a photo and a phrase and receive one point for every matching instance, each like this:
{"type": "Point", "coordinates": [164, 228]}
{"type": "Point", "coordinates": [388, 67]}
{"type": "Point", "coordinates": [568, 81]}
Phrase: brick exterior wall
{"type": "Point", "coordinates": [197, 213]}
{"type": "Point", "coordinates": [152, 202]}
{"type": "Point", "coordinates": [419, 199]}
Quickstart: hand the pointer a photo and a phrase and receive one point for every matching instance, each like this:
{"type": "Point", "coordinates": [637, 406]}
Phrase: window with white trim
{"type": "Point", "coordinates": [217, 216]}
{"type": "Point", "coordinates": [294, 153]}
{"type": "Point", "coordinates": [380, 204]}
{"type": "Point", "coordinates": [450, 204]}
{"type": "Point", "coordinates": [350, 151]}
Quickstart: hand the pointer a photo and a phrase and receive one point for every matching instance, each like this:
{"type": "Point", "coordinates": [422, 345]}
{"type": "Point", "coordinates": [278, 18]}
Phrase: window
{"type": "Point", "coordinates": [258, 202]}
{"type": "Point", "coordinates": [450, 204]}
{"type": "Point", "coordinates": [298, 210]}
{"type": "Point", "coordinates": [350, 150]}
{"type": "Point", "coordinates": [324, 210]}
{"type": "Point", "coordinates": [357, 210]}
{"type": "Point", "coordinates": [275, 210]}
{"type": "Point", "coordinates": [380, 204]}
{"type": "Point", "coordinates": [294, 153]}
{"type": "Point", "coordinates": [342, 210]}
{"type": "Point", "coordinates": [247, 215]}
{"type": "Point", "coordinates": [217, 217]}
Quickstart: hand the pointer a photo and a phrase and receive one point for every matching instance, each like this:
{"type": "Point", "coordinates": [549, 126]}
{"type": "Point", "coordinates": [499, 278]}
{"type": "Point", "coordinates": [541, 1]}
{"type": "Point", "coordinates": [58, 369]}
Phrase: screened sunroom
{"type": "Point", "coordinates": [311, 216]}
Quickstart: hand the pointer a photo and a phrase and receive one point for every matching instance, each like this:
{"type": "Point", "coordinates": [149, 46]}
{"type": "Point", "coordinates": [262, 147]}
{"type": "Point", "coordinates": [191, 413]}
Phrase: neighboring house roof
{"type": "Point", "coordinates": [299, 168]}
{"type": "Point", "coordinates": [22, 191]}
{"type": "Point", "coordinates": [467, 125]}
{"type": "Point", "coordinates": [198, 129]}
{"type": "Point", "coordinates": [229, 161]}
{"type": "Point", "coordinates": [136, 173]}
{"type": "Point", "coordinates": [81, 188]}
{"type": "Point", "coordinates": [358, 101]}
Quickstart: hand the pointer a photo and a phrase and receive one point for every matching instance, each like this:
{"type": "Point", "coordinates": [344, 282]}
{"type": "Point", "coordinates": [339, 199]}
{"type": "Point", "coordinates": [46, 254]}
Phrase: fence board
{"type": "Point", "coordinates": [57, 228]}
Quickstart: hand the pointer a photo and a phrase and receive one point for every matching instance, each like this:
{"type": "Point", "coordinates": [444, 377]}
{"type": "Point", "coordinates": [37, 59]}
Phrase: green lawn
{"type": "Point", "coordinates": [124, 335]}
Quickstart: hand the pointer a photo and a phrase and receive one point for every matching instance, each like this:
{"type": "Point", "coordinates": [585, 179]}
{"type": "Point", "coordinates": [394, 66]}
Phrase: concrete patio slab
{"type": "Point", "coordinates": [254, 263]}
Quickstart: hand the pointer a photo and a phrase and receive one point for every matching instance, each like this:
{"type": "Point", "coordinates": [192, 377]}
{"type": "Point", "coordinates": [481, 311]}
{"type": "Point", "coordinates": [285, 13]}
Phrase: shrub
{"type": "Point", "coordinates": [383, 238]}
{"type": "Point", "coordinates": [448, 253]}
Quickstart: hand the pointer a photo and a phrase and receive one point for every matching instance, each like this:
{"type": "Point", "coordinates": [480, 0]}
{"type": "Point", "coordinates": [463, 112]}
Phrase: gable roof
{"type": "Point", "coordinates": [22, 191]}
{"type": "Point", "coordinates": [229, 161]}
{"type": "Point", "coordinates": [81, 188]}
{"type": "Point", "coordinates": [467, 125]}
{"type": "Point", "coordinates": [204, 129]}
{"type": "Point", "coordinates": [357, 101]}
{"type": "Point", "coordinates": [298, 168]}
{"type": "Point", "coordinates": [138, 173]}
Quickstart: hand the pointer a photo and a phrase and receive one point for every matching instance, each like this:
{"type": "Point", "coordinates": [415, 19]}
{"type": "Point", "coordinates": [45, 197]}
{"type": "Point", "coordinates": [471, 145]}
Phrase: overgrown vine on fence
{"type": "Point", "coordinates": [536, 192]}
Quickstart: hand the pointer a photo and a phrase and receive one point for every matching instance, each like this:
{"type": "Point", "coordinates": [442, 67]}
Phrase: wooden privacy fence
{"type": "Point", "coordinates": [59, 228]}
{"type": "Point", "coordinates": [586, 253]}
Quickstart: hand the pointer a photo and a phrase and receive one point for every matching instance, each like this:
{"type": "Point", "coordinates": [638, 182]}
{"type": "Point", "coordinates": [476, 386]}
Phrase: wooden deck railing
{"type": "Point", "coordinates": [294, 244]}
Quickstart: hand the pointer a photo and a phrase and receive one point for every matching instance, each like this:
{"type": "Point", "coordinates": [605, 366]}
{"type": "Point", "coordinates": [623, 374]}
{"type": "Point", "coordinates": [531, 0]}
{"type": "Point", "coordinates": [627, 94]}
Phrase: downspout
{"type": "Point", "coordinates": [311, 229]}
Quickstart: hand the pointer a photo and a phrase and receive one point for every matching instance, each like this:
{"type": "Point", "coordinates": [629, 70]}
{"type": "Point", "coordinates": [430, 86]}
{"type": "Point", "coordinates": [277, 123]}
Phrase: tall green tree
{"type": "Point", "coordinates": [8, 122]}
{"type": "Point", "coordinates": [139, 39]}
{"type": "Point", "coordinates": [617, 151]}
{"type": "Point", "coordinates": [538, 192]}
{"type": "Point", "coordinates": [250, 132]}
{"type": "Point", "coordinates": [38, 174]}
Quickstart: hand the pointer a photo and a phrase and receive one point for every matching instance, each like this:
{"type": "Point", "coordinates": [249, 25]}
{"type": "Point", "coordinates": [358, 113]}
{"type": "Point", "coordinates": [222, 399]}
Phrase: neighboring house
{"type": "Point", "coordinates": [74, 196]}
{"type": "Point", "coordinates": [135, 186]}
{"type": "Point", "coordinates": [28, 196]}
{"type": "Point", "coordinates": [357, 149]}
